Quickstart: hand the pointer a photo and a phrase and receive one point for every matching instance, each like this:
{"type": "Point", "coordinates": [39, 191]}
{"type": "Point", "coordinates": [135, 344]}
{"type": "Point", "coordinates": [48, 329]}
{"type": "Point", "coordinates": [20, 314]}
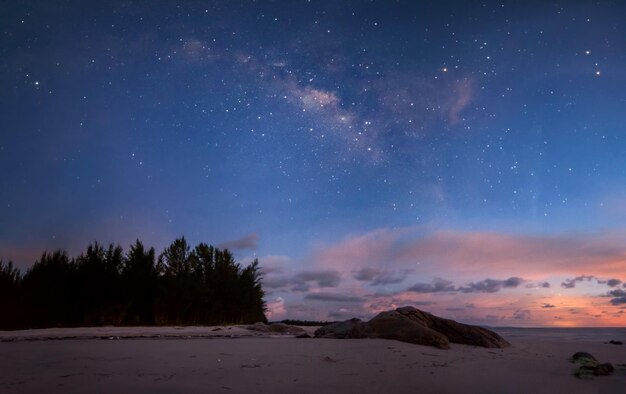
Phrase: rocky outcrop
{"type": "Point", "coordinates": [412, 325]}
{"type": "Point", "coordinates": [353, 328]}
{"type": "Point", "coordinates": [396, 325]}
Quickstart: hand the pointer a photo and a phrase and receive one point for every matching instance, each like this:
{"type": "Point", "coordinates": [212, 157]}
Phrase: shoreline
{"type": "Point", "coordinates": [246, 361]}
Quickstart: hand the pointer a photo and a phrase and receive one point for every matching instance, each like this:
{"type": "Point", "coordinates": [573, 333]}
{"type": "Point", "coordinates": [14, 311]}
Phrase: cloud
{"type": "Point", "coordinates": [571, 283]}
{"type": "Point", "coordinates": [458, 262]}
{"type": "Point", "coordinates": [301, 281]}
{"type": "Point", "coordinates": [249, 242]}
{"type": "Point", "coordinates": [272, 264]}
{"type": "Point", "coordinates": [332, 297]}
{"type": "Point", "coordinates": [276, 282]}
{"type": "Point", "coordinates": [491, 285]}
{"type": "Point", "coordinates": [523, 314]}
{"type": "Point", "coordinates": [619, 296]}
{"type": "Point", "coordinates": [378, 277]}
{"type": "Point", "coordinates": [472, 253]}
{"type": "Point", "coordinates": [323, 278]}
{"type": "Point", "coordinates": [366, 274]}
{"type": "Point", "coordinates": [613, 282]}
{"type": "Point", "coordinates": [276, 309]}
{"type": "Point", "coordinates": [543, 285]}
{"type": "Point", "coordinates": [438, 285]}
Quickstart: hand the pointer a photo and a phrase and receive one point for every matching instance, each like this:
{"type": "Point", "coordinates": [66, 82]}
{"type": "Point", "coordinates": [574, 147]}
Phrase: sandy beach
{"type": "Point", "coordinates": [233, 359]}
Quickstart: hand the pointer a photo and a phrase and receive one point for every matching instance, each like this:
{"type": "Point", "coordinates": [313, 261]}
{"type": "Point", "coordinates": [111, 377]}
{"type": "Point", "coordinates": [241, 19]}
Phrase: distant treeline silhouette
{"type": "Point", "coordinates": [306, 323]}
{"type": "Point", "coordinates": [104, 286]}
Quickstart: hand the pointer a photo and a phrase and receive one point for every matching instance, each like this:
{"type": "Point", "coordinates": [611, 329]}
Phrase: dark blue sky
{"type": "Point", "coordinates": [287, 130]}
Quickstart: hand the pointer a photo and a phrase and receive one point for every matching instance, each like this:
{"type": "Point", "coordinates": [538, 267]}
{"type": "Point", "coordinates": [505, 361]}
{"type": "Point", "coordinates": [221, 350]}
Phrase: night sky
{"type": "Point", "coordinates": [467, 158]}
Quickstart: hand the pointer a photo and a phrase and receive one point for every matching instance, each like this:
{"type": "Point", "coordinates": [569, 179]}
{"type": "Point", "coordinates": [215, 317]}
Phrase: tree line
{"type": "Point", "coordinates": [105, 286]}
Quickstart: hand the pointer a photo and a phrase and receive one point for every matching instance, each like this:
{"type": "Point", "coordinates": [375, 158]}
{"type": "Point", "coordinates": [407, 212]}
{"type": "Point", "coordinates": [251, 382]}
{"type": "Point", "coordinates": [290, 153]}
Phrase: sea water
{"type": "Point", "coordinates": [586, 334]}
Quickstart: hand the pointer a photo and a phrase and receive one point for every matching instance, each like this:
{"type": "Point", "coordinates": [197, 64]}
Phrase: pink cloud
{"type": "Point", "coordinates": [473, 254]}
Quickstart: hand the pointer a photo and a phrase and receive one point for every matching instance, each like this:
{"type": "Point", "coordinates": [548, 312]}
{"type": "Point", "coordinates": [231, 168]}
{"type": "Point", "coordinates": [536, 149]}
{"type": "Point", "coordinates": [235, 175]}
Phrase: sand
{"type": "Point", "coordinates": [236, 360]}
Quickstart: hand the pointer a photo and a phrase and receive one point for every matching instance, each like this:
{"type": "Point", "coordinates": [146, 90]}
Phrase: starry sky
{"type": "Point", "coordinates": [466, 158]}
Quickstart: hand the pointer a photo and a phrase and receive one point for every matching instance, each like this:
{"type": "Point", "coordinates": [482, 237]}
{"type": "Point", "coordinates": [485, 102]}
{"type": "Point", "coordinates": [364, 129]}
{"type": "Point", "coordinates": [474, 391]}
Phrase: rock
{"type": "Point", "coordinates": [412, 325]}
{"type": "Point", "coordinates": [455, 332]}
{"type": "Point", "coordinates": [583, 356]}
{"type": "Point", "coordinates": [604, 369]}
{"type": "Point", "coordinates": [353, 328]}
{"type": "Point", "coordinates": [282, 328]}
{"type": "Point", "coordinates": [613, 342]}
{"type": "Point", "coordinates": [304, 335]}
{"type": "Point", "coordinates": [396, 325]}
{"type": "Point", "coordinates": [590, 366]}
{"type": "Point", "coordinates": [258, 326]}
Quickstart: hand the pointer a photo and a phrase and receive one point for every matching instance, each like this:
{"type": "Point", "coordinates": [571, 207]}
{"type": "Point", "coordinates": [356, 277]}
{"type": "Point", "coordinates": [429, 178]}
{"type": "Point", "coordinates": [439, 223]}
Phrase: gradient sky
{"type": "Point", "coordinates": [467, 159]}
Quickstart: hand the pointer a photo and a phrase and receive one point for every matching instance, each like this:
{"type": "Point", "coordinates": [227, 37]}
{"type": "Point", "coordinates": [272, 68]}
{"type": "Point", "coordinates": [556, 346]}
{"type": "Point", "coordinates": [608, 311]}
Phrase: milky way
{"type": "Point", "coordinates": [464, 158]}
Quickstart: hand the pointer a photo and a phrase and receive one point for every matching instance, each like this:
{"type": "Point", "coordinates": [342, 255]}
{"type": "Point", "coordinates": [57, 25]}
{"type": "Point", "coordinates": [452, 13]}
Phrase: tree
{"type": "Point", "coordinates": [98, 282]}
{"type": "Point", "coordinates": [178, 285]}
{"type": "Point", "coordinates": [50, 291]}
{"type": "Point", "coordinates": [10, 281]}
{"type": "Point", "coordinates": [139, 278]}
{"type": "Point", "coordinates": [203, 285]}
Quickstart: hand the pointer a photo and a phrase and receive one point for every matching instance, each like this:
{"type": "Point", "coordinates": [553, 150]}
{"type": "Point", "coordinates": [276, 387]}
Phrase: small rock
{"type": "Point", "coordinates": [304, 335]}
{"type": "Point", "coordinates": [590, 366]}
{"type": "Point", "coordinates": [613, 342]}
{"type": "Point", "coordinates": [603, 369]}
{"type": "Point", "coordinates": [583, 355]}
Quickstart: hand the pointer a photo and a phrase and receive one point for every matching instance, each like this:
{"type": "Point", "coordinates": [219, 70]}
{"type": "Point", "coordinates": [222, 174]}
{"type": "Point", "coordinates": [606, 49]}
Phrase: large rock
{"type": "Point", "coordinates": [396, 325]}
{"type": "Point", "coordinates": [412, 325]}
{"type": "Point", "coordinates": [456, 332]}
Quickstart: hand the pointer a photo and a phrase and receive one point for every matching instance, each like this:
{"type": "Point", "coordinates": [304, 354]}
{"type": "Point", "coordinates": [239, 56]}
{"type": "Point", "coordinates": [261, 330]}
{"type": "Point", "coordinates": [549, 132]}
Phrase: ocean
{"type": "Point", "coordinates": [561, 334]}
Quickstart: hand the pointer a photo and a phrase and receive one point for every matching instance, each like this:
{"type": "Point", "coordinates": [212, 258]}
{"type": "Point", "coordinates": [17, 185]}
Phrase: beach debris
{"type": "Point", "coordinates": [614, 342]}
{"type": "Point", "coordinates": [589, 366]}
{"type": "Point", "coordinates": [408, 324]}
{"type": "Point", "coordinates": [251, 366]}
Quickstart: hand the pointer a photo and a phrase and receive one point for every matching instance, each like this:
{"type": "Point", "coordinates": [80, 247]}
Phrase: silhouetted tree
{"type": "Point", "coordinates": [139, 278]}
{"type": "Point", "coordinates": [50, 291]}
{"type": "Point", "coordinates": [10, 281]}
{"type": "Point", "coordinates": [178, 285]}
{"type": "Point", "coordinates": [252, 306]}
{"type": "Point", "coordinates": [99, 283]}
{"type": "Point", "coordinates": [203, 285]}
